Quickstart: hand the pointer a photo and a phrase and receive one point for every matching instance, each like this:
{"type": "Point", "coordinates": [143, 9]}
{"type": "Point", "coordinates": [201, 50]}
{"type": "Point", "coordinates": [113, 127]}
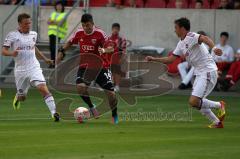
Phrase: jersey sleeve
{"type": "Point", "coordinates": [9, 40]}
{"type": "Point", "coordinates": [192, 39]}
{"type": "Point", "coordinates": [35, 37]}
{"type": "Point", "coordinates": [177, 51]}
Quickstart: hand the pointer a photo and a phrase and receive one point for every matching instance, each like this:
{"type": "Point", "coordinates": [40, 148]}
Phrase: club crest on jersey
{"type": "Point", "coordinates": [34, 39]}
{"type": "Point", "coordinates": [94, 41]}
{"type": "Point", "coordinates": [81, 40]}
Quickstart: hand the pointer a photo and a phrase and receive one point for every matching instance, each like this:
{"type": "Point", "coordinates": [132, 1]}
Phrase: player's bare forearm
{"type": "Point", "coordinates": [211, 44]}
{"type": "Point", "coordinates": [109, 50]}
{"type": "Point", "coordinates": [6, 52]}
{"type": "Point", "coordinates": [165, 60]}
{"type": "Point", "coordinates": [40, 54]}
{"type": "Point", "coordinates": [66, 46]}
{"type": "Point", "coordinates": [106, 50]}
{"type": "Point", "coordinates": [206, 40]}
{"type": "Point", "coordinates": [61, 51]}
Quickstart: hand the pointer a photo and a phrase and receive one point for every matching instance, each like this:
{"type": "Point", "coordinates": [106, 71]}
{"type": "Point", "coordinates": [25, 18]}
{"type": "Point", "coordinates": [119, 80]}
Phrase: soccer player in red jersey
{"type": "Point", "coordinates": [119, 54]}
{"type": "Point", "coordinates": [91, 40]}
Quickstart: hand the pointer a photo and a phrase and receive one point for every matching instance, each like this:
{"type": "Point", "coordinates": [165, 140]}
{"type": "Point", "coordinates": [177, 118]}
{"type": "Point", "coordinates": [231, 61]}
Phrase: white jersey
{"type": "Point", "coordinates": [227, 56]}
{"type": "Point", "coordinates": [196, 54]}
{"type": "Point", "coordinates": [25, 45]}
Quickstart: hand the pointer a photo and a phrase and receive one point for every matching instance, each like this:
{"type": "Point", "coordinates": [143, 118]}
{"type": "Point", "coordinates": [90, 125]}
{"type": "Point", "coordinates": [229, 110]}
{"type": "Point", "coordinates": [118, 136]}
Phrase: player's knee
{"type": "Point", "coordinates": [114, 102]}
{"type": "Point", "coordinates": [82, 88]}
{"type": "Point", "coordinates": [112, 98]}
{"type": "Point", "coordinates": [21, 98]}
{"type": "Point", "coordinates": [193, 102]}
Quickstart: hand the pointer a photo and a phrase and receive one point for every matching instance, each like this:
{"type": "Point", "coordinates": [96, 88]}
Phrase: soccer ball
{"type": "Point", "coordinates": [81, 114]}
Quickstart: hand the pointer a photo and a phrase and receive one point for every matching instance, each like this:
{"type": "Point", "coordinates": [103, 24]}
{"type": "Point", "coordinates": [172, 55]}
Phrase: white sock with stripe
{"type": "Point", "coordinates": [49, 100]}
{"type": "Point", "coordinates": [210, 104]}
{"type": "Point", "coordinates": [209, 114]}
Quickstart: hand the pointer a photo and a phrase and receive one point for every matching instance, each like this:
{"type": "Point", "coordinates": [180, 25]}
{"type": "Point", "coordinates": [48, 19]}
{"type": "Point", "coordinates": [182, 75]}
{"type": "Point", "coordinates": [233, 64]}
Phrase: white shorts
{"type": "Point", "coordinates": [204, 84]}
{"type": "Point", "coordinates": [25, 79]}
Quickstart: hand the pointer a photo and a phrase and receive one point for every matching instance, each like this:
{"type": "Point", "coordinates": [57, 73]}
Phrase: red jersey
{"type": "Point", "coordinates": [120, 46]}
{"type": "Point", "coordinates": [121, 43]}
{"type": "Point", "coordinates": [89, 44]}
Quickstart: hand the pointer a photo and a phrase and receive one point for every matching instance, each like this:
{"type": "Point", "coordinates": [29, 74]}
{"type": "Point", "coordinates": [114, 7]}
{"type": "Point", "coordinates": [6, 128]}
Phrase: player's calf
{"type": "Point", "coordinates": [49, 100]}
{"type": "Point", "coordinates": [112, 98]}
{"type": "Point", "coordinates": [82, 91]}
{"type": "Point", "coordinates": [82, 88]}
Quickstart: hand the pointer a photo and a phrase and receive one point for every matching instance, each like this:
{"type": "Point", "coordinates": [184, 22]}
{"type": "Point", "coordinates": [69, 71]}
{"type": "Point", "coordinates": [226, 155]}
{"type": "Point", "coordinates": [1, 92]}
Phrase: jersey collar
{"type": "Point", "coordinates": [22, 32]}
{"type": "Point", "coordinates": [184, 36]}
{"type": "Point", "coordinates": [94, 29]}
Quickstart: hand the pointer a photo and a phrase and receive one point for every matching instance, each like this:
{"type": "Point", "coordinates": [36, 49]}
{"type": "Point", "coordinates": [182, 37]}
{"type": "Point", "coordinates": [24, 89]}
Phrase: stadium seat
{"type": "Point", "coordinates": [216, 4]}
{"type": "Point", "coordinates": [205, 4]}
{"type": "Point", "coordinates": [70, 2]}
{"type": "Point", "coordinates": [211, 4]}
{"type": "Point", "coordinates": [155, 4]}
{"type": "Point", "coordinates": [98, 3]}
{"type": "Point", "coordinates": [139, 3]}
{"type": "Point", "coordinates": [171, 3]}
{"type": "Point", "coordinates": [187, 3]}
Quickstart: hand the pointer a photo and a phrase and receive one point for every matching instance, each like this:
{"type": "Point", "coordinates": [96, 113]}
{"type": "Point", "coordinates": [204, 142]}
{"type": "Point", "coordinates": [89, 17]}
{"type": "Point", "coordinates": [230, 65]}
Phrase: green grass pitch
{"type": "Point", "coordinates": [29, 134]}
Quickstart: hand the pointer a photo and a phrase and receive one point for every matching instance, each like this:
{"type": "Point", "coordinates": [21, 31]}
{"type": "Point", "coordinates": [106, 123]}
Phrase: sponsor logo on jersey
{"type": "Point", "coordinates": [88, 48]}
{"type": "Point", "coordinates": [26, 47]}
{"type": "Point", "coordinates": [94, 41]}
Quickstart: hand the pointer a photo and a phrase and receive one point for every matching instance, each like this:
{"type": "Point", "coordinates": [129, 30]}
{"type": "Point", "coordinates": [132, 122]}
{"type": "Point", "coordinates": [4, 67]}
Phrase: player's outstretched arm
{"type": "Point", "coordinates": [109, 49]}
{"type": "Point", "coordinates": [210, 43]}
{"type": "Point", "coordinates": [61, 52]}
{"type": "Point", "coordinates": [42, 56]}
{"type": "Point", "coordinates": [165, 60]}
{"type": "Point", "coordinates": [6, 52]}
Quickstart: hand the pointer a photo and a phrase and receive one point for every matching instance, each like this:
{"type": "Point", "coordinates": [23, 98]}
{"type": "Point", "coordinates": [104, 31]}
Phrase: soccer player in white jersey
{"type": "Point", "coordinates": [197, 55]}
{"type": "Point", "coordinates": [27, 69]}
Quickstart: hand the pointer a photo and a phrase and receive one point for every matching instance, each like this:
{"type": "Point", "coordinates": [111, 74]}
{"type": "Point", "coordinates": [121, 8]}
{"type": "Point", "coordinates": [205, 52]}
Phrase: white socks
{"type": "Point", "coordinates": [210, 104]}
{"type": "Point", "coordinates": [210, 115]}
{"type": "Point", "coordinates": [206, 109]}
{"type": "Point", "coordinates": [49, 100]}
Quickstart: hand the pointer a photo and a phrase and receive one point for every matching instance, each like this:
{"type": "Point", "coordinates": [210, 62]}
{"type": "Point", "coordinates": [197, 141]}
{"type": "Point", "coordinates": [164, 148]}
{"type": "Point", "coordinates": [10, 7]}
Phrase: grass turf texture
{"type": "Point", "coordinates": [43, 139]}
